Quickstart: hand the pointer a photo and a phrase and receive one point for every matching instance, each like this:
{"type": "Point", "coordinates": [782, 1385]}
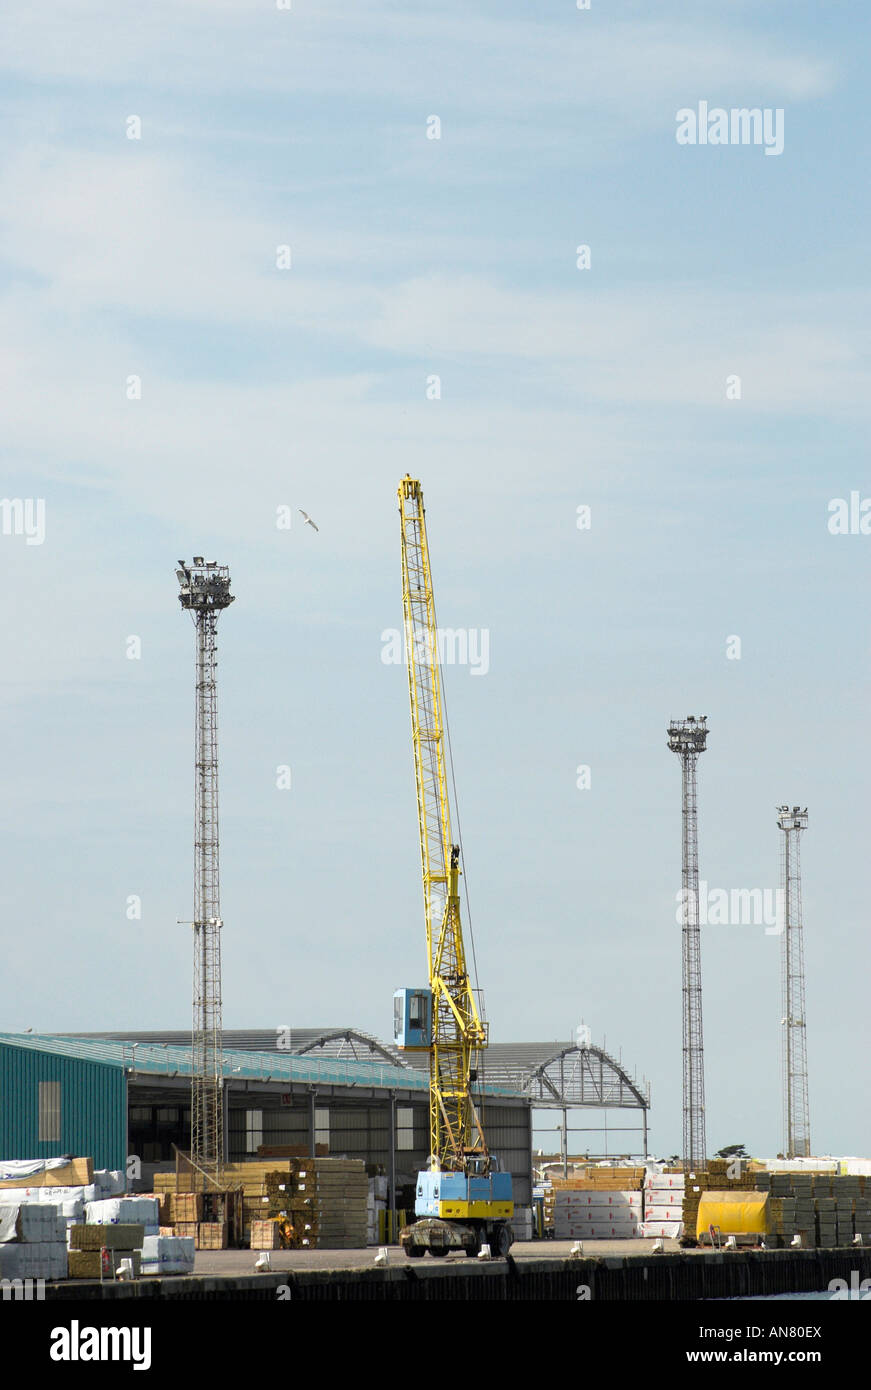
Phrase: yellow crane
{"type": "Point", "coordinates": [462, 1200]}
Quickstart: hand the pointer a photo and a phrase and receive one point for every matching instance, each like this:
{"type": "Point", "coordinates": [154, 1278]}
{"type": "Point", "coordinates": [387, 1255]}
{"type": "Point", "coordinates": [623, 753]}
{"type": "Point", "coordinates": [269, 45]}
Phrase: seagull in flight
{"type": "Point", "coordinates": [308, 520]}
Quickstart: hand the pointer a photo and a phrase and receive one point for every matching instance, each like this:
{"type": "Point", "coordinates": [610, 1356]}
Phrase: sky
{"type": "Point", "coordinates": [239, 274]}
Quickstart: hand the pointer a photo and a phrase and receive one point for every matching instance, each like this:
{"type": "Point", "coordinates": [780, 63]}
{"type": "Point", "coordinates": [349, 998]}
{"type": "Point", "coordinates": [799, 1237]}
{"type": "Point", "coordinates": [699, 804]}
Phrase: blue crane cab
{"type": "Point", "coordinates": [412, 1019]}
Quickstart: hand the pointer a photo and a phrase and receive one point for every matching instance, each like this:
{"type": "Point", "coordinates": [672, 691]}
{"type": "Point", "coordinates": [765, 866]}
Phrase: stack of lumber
{"type": "Point", "coordinates": [597, 1213]}
{"type": "Point", "coordinates": [694, 1185]}
{"type": "Point", "coordinates": [32, 1242]}
{"type": "Point", "coordinates": [342, 1190]}
{"type": "Point", "coordinates": [825, 1209]}
{"type": "Point", "coordinates": [321, 1203]}
{"type": "Point", "coordinates": [663, 1206]}
{"type": "Point", "coordinates": [207, 1218]}
{"type": "Point", "coordinates": [315, 1202]}
{"type": "Point", "coordinates": [123, 1241]}
{"type": "Point", "coordinates": [605, 1185]}
{"type": "Point", "coordinates": [78, 1172]}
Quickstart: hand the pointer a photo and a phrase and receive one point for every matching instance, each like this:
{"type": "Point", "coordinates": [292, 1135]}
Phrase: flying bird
{"type": "Point", "coordinates": [308, 520]}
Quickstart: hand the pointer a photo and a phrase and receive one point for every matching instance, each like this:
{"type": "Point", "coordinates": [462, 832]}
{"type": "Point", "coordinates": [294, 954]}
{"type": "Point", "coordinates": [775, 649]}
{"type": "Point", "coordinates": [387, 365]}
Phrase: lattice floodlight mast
{"type": "Point", "coordinates": [205, 593]}
{"type": "Point", "coordinates": [687, 738]}
{"type": "Point", "coordinates": [796, 1120]}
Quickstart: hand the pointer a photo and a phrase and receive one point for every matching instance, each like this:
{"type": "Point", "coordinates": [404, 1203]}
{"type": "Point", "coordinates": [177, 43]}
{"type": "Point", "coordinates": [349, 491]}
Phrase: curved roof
{"type": "Point", "coordinates": [564, 1074]}
{"type": "Point", "coordinates": [554, 1073]}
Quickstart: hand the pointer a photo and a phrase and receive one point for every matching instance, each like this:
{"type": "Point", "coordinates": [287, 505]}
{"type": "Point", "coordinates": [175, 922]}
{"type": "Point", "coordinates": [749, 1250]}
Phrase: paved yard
{"type": "Point", "coordinates": [243, 1261]}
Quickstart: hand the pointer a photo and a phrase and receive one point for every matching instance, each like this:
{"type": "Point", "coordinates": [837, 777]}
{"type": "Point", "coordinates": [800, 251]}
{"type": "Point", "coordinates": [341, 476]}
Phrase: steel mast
{"type": "Point", "coordinates": [205, 593]}
{"type": "Point", "coordinates": [687, 738]}
{"type": "Point", "coordinates": [456, 1138]}
{"type": "Point", "coordinates": [796, 1119]}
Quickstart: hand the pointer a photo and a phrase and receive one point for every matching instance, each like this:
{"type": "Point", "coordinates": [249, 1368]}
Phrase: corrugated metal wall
{"type": "Point", "coordinates": [358, 1130]}
{"type": "Point", "coordinates": [509, 1135]}
{"type": "Point", "coordinates": [93, 1107]}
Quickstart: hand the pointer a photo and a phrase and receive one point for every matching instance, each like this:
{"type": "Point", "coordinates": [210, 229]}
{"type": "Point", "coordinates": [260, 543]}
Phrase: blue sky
{"type": "Point", "coordinates": [607, 387]}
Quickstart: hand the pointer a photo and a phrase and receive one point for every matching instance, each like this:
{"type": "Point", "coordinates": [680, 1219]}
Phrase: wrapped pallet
{"type": "Point", "coordinates": [733, 1213]}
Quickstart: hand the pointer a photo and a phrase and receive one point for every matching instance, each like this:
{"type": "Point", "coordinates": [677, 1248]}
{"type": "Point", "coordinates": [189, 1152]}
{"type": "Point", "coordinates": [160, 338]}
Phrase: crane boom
{"type": "Point", "coordinates": [462, 1200]}
{"type": "Point", "coordinates": [457, 1140]}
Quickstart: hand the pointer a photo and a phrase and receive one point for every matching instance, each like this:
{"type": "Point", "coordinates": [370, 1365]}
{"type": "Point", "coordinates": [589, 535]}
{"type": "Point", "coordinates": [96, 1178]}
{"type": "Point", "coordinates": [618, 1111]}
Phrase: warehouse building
{"type": "Point", "coordinates": [336, 1091]}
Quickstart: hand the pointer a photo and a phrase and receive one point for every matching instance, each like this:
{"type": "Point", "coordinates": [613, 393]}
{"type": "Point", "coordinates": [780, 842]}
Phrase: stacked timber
{"type": "Point", "coordinates": [663, 1206]}
{"type": "Point", "coordinates": [599, 1203]}
{"type": "Point", "coordinates": [32, 1242]}
{"type": "Point", "coordinates": [120, 1241]}
{"type": "Point", "coordinates": [313, 1202]}
{"type": "Point", "coordinates": [825, 1209]}
{"type": "Point", "coordinates": [75, 1172]}
{"type": "Point", "coordinates": [342, 1190]}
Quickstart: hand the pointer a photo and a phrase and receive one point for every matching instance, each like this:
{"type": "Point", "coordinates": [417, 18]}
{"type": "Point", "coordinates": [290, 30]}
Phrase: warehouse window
{"type": "Point", "coordinates": [49, 1111]}
{"type": "Point", "coordinates": [253, 1130]}
{"type": "Point", "coordinates": [404, 1127]}
{"type": "Point", "coordinates": [322, 1126]}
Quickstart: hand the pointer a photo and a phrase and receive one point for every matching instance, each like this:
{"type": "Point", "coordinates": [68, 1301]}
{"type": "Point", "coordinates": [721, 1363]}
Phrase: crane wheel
{"type": "Point", "coordinates": [415, 1252]}
{"type": "Point", "coordinates": [501, 1242]}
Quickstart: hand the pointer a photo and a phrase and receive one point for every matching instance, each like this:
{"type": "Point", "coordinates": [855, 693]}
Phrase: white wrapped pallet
{"type": "Point", "coordinates": [663, 1197]}
{"type": "Point", "coordinates": [658, 1181]}
{"type": "Point", "coordinates": [573, 1199]}
{"type": "Point", "coordinates": [590, 1218]}
{"type": "Point", "coordinates": [668, 1230]}
{"type": "Point", "coordinates": [111, 1211]}
{"type": "Point", "coordinates": [660, 1213]}
{"type": "Point", "coordinates": [41, 1260]}
{"type": "Point", "coordinates": [111, 1182]}
{"type": "Point", "coordinates": [168, 1255]}
{"type": "Point", "coordinates": [12, 1169]}
{"type": "Point", "coordinates": [596, 1230]}
{"type": "Point", "coordinates": [31, 1222]}
{"type": "Point", "coordinates": [521, 1223]}
{"type": "Point", "coordinates": [71, 1200]}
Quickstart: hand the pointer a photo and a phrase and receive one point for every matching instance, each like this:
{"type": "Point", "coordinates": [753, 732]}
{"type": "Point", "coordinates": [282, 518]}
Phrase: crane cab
{"type": "Point", "coordinates": [412, 1020]}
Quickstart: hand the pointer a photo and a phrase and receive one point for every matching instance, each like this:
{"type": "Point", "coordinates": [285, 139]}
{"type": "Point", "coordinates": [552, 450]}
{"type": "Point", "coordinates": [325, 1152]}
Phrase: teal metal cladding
{"type": "Point", "coordinates": [93, 1107]}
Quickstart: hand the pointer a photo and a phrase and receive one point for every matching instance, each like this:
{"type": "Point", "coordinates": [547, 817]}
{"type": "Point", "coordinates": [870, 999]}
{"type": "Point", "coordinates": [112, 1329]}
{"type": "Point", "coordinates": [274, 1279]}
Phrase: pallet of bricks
{"type": "Point", "coordinates": [600, 1204]}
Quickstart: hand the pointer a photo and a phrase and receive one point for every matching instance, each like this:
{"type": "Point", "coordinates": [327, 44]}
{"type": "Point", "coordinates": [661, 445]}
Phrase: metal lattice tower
{"type": "Point", "coordinates": [205, 592]}
{"type": "Point", "coordinates": [796, 1120]}
{"type": "Point", "coordinates": [687, 738]}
